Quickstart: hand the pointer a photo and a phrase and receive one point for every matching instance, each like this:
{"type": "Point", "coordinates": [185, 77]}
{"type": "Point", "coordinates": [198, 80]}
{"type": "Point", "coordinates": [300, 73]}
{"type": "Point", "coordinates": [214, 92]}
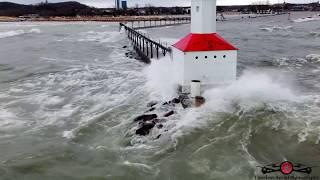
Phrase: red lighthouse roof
{"type": "Point", "coordinates": [203, 42]}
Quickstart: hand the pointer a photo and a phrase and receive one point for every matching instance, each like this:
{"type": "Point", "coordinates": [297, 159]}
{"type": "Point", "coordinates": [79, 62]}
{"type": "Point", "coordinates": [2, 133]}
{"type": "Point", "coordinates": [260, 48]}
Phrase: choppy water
{"type": "Point", "coordinates": [69, 94]}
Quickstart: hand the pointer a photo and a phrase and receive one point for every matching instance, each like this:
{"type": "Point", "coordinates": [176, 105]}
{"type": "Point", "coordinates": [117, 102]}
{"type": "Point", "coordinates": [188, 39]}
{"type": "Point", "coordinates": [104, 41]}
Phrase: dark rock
{"type": "Point", "coordinates": [185, 101]}
{"type": "Point", "coordinates": [172, 102]}
{"type": "Point", "coordinates": [160, 126]}
{"type": "Point", "coordinates": [145, 128]}
{"type": "Point", "coordinates": [168, 114]}
{"type": "Point", "coordinates": [152, 103]}
{"type": "Point", "coordinates": [147, 117]}
{"type": "Point", "coordinates": [176, 101]}
{"type": "Point", "coordinates": [160, 120]}
{"type": "Point", "coordinates": [124, 46]}
{"type": "Point", "coordinates": [150, 110]}
{"type": "Point", "coordinates": [165, 103]}
{"type": "Point", "coordinates": [159, 136]}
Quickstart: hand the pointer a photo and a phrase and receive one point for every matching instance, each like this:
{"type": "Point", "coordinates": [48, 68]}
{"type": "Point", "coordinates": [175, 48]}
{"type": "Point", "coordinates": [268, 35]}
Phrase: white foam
{"type": "Point", "coordinates": [11, 33]}
{"type": "Point", "coordinates": [139, 165]}
{"type": "Point", "coordinates": [162, 81]}
{"type": "Point", "coordinates": [9, 119]}
{"type": "Point", "coordinates": [68, 134]}
{"type": "Point", "coordinates": [35, 30]}
{"type": "Point", "coordinates": [276, 28]}
{"type": "Point", "coordinates": [142, 31]}
{"type": "Point", "coordinates": [251, 89]}
{"type": "Point", "coordinates": [2, 95]}
{"type": "Point", "coordinates": [53, 100]}
{"type": "Point", "coordinates": [16, 90]}
{"type": "Point", "coordinates": [103, 37]}
{"type": "Point", "coordinates": [307, 19]}
{"type": "Point", "coordinates": [168, 41]}
{"type": "Point", "coordinates": [313, 57]}
{"type": "Point", "coordinates": [18, 32]}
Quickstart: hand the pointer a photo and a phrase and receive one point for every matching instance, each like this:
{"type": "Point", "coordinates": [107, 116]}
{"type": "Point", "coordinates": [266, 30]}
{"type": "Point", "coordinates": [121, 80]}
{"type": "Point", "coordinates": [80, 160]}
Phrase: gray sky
{"type": "Point", "coordinates": [110, 3]}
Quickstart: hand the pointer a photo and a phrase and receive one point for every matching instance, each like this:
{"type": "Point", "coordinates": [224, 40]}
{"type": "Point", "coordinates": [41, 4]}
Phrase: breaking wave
{"type": "Point", "coordinates": [161, 78]}
{"type": "Point", "coordinates": [297, 62]}
{"type": "Point", "coordinates": [99, 36]}
{"type": "Point", "coordinates": [251, 92]}
{"type": "Point", "coordinates": [18, 32]}
{"type": "Point", "coordinates": [314, 34]}
{"type": "Point", "coordinates": [307, 19]}
{"type": "Point", "coordinates": [276, 28]}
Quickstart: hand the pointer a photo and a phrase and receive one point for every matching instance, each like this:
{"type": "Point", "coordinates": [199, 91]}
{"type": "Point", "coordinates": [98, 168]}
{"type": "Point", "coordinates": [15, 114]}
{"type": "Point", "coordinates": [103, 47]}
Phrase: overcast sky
{"type": "Point", "coordinates": [110, 3]}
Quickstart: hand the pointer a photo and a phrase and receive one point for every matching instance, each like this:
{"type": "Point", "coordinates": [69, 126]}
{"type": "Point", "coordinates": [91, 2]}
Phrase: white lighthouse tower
{"type": "Point", "coordinates": [203, 55]}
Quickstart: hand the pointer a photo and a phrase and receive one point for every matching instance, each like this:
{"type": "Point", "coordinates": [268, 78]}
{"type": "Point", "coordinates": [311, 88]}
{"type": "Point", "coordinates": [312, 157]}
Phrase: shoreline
{"type": "Point", "coordinates": [93, 19]}
{"type": "Point", "coordinates": [125, 19]}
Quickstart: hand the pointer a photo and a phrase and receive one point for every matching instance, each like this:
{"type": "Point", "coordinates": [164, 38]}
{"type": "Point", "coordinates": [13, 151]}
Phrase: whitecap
{"type": "Point", "coordinates": [102, 37]}
{"type": "Point", "coordinates": [9, 119]}
{"type": "Point", "coordinates": [11, 33]}
{"type": "Point", "coordinates": [307, 19]}
{"type": "Point", "coordinates": [68, 134]}
{"type": "Point", "coordinates": [313, 57]}
{"type": "Point", "coordinates": [138, 165]}
{"type": "Point", "coordinates": [35, 30]}
{"type": "Point", "coordinates": [276, 28]}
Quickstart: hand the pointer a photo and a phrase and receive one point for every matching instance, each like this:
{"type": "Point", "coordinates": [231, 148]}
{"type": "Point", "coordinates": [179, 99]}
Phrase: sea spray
{"type": "Point", "coordinates": [162, 80]}
{"type": "Point", "coordinates": [252, 91]}
{"type": "Point", "coordinates": [250, 88]}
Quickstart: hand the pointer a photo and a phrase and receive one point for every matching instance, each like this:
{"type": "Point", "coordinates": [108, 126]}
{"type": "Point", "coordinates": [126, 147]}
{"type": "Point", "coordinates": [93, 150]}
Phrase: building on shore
{"type": "Point", "coordinates": [121, 4]}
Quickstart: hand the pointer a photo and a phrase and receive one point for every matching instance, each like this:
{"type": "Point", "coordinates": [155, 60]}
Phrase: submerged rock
{"type": "Point", "coordinates": [151, 109]}
{"type": "Point", "coordinates": [146, 117]}
{"type": "Point", "coordinates": [145, 128]}
{"type": "Point", "coordinates": [168, 114]}
{"type": "Point", "coordinates": [148, 121]}
{"type": "Point", "coordinates": [160, 126]}
{"type": "Point", "coordinates": [152, 103]}
{"type": "Point", "coordinates": [185, 101]}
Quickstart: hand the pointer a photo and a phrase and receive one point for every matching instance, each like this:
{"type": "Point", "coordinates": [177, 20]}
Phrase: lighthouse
{"type": "Point", "coordinates": [203, 55]}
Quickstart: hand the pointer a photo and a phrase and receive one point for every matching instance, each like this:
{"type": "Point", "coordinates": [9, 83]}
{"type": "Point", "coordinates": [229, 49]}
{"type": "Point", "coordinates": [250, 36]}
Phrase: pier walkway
{"type": "Point", "coordinates": [145, 47]}
{"type": "Point", "coordinates": [158, 22]}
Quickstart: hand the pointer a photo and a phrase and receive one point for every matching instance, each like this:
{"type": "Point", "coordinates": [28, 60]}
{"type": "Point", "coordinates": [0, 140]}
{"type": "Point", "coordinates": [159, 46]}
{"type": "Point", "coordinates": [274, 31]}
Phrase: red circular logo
{"type": "Point", "coordinates": [286, 168]}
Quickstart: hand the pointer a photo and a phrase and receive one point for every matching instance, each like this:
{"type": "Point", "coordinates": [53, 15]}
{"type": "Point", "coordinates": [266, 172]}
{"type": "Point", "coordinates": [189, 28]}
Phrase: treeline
{"type": "Point", "coordinates": [151, 10]}
{"type": "Point", "coordinates": [73, 8]}
{"type": "Point", "coordinates": [47, 9]}
{"type": "Point", "coordinates": [77, 9]}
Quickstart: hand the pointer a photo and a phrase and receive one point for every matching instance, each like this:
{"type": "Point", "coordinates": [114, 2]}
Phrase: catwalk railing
{"type": "Point", "coordinates": [145, 47]}
{"type": "Point", "coordinates": [158, 22]}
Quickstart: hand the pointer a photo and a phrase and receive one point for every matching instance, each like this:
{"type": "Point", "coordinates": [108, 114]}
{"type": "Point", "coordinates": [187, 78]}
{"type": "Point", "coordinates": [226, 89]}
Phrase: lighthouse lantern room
{"type": "Point", "coordinates": [203, 55]}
